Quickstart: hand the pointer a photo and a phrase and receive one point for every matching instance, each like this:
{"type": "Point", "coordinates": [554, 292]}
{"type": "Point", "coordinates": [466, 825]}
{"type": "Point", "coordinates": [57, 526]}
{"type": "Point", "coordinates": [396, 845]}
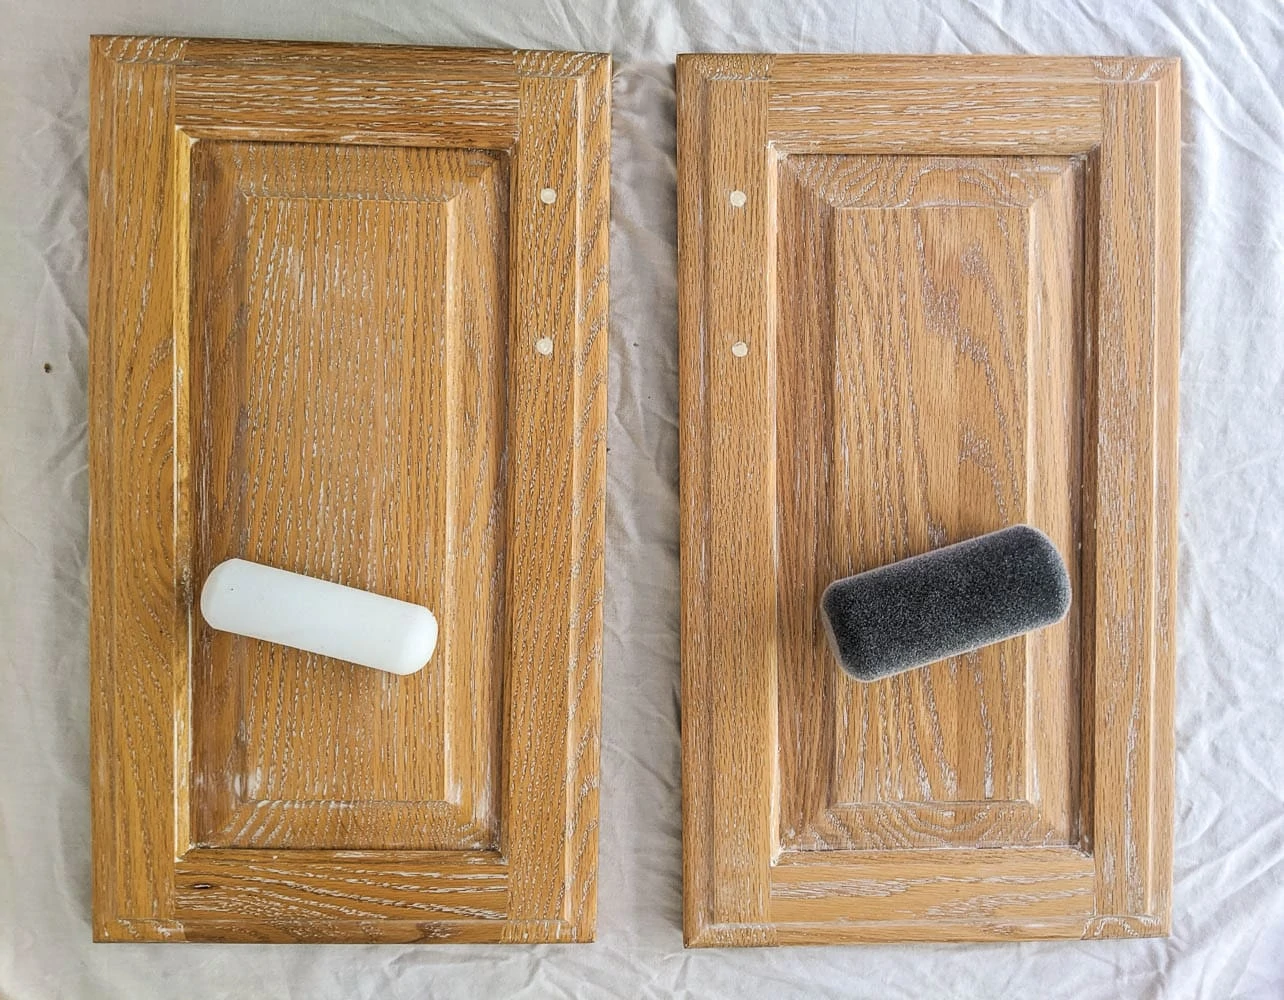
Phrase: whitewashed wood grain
{"type": "Point", "coordinates": [948, 267]}
{"type": "Point", "coordinates": [356, 285]}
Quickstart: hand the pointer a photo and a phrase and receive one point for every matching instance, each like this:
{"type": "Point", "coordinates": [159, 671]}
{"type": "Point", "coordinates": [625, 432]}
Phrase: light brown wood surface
{"type": "Point", "coordinates": [319, 274]}
{"type": "Point", "coordinates": [957, 281]}
{"type": "Point", "coordinates": [348, 423]}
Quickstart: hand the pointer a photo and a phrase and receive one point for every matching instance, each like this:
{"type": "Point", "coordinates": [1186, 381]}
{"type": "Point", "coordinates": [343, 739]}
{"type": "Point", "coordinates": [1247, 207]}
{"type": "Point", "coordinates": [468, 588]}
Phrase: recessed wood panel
{"type": "Point", "coordinates": [319, 277]}
{"type": "Point", "coordinates": [920, 302]}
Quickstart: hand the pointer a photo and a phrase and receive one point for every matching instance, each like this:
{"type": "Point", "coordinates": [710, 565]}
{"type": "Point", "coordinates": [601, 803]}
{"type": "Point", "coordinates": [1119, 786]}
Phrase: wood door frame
{"type": "Point", "coordinates": [152, 101]}
{"type": "Point", "coordinates": [737, 115]}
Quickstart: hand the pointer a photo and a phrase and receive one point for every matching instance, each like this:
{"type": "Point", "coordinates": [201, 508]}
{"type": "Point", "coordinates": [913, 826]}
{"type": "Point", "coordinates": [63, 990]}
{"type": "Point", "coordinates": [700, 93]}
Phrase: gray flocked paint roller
{"type": "Point", "coordinates": [945, 602]}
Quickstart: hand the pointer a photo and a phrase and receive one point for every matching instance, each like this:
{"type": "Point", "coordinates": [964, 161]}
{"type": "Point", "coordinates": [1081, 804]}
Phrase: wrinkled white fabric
{"type": "Point", "coordinates": [1228, 926]}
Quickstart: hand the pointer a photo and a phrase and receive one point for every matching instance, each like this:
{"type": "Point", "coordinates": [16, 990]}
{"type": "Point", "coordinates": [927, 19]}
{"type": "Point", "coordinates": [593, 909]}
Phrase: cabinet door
{"type": "Point", "coordinates": [348, 319]}
{"type": "Point", "coordinates": [923, 298]}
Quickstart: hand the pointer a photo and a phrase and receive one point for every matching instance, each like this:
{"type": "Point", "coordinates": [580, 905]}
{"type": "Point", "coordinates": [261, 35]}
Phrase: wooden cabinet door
{"type": "Point", "coordinates": [923, 298]}
{"type": "Point", "coordinates": [348, 319]}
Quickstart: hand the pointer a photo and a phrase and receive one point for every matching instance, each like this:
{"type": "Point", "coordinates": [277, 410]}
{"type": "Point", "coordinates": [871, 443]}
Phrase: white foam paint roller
{"type": "Point", "coordinates": [305, 613]}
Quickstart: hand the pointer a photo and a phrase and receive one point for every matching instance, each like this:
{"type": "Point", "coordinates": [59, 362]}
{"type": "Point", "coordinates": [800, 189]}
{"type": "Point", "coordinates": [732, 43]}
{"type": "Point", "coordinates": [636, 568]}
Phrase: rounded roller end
{"type": "Point", "coordinates": [945, 602]}
{"type": "Point", "coordinates": [417, 645]}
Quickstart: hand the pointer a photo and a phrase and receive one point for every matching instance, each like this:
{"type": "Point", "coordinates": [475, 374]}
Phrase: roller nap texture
{"type": "Point", "coordinates": [946, 602]}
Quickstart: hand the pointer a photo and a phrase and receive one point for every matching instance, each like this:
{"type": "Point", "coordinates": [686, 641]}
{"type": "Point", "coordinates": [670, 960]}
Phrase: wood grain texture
{"type": "Point", "coordinates": [365, 447]}
{"type": "Point", "coordinates": [947, 266]}
{"type": "Point", "coordinates": [137, 689]}
{"type": "Point", "coordinates": [945, 305]}
{"type": "Point", "coordinates": [557, 455]}
{"type": "Point", "coordinates": [298, 885]}
{"type": "Point", "coordinates": [1135, 354]}
{"type": "Point", "coordinates": [970, 106]}
{"type": "Point", "coordinates": [351, 392]}
{"type": "Point", "coordinates": [384, 95]}
{"type": "Point", "coordinates": [1013, 886]}
{"type": "Point", "coordinates": [728, 468]}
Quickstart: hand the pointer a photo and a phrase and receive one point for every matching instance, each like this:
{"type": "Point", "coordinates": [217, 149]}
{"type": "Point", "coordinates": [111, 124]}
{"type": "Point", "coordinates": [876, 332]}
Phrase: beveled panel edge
{"type": "Point", "coordinates": [275, 824]}
{"type": "Point", "coordinates": [900, 825]}
{"type": "Point", "coordinates": [1029, 181]}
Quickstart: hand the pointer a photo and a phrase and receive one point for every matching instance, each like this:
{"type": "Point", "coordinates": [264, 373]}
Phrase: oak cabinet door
{"type": "Point", "coordinates": [348, 319]}
{"type": "Point", "coordinates": [923, 298]}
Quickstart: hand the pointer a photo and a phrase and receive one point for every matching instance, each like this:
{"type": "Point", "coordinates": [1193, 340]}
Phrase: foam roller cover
{"type": "Point", "coordinates": [318, 616]}
{"type": "Point", "coordinates": [946, 602]}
